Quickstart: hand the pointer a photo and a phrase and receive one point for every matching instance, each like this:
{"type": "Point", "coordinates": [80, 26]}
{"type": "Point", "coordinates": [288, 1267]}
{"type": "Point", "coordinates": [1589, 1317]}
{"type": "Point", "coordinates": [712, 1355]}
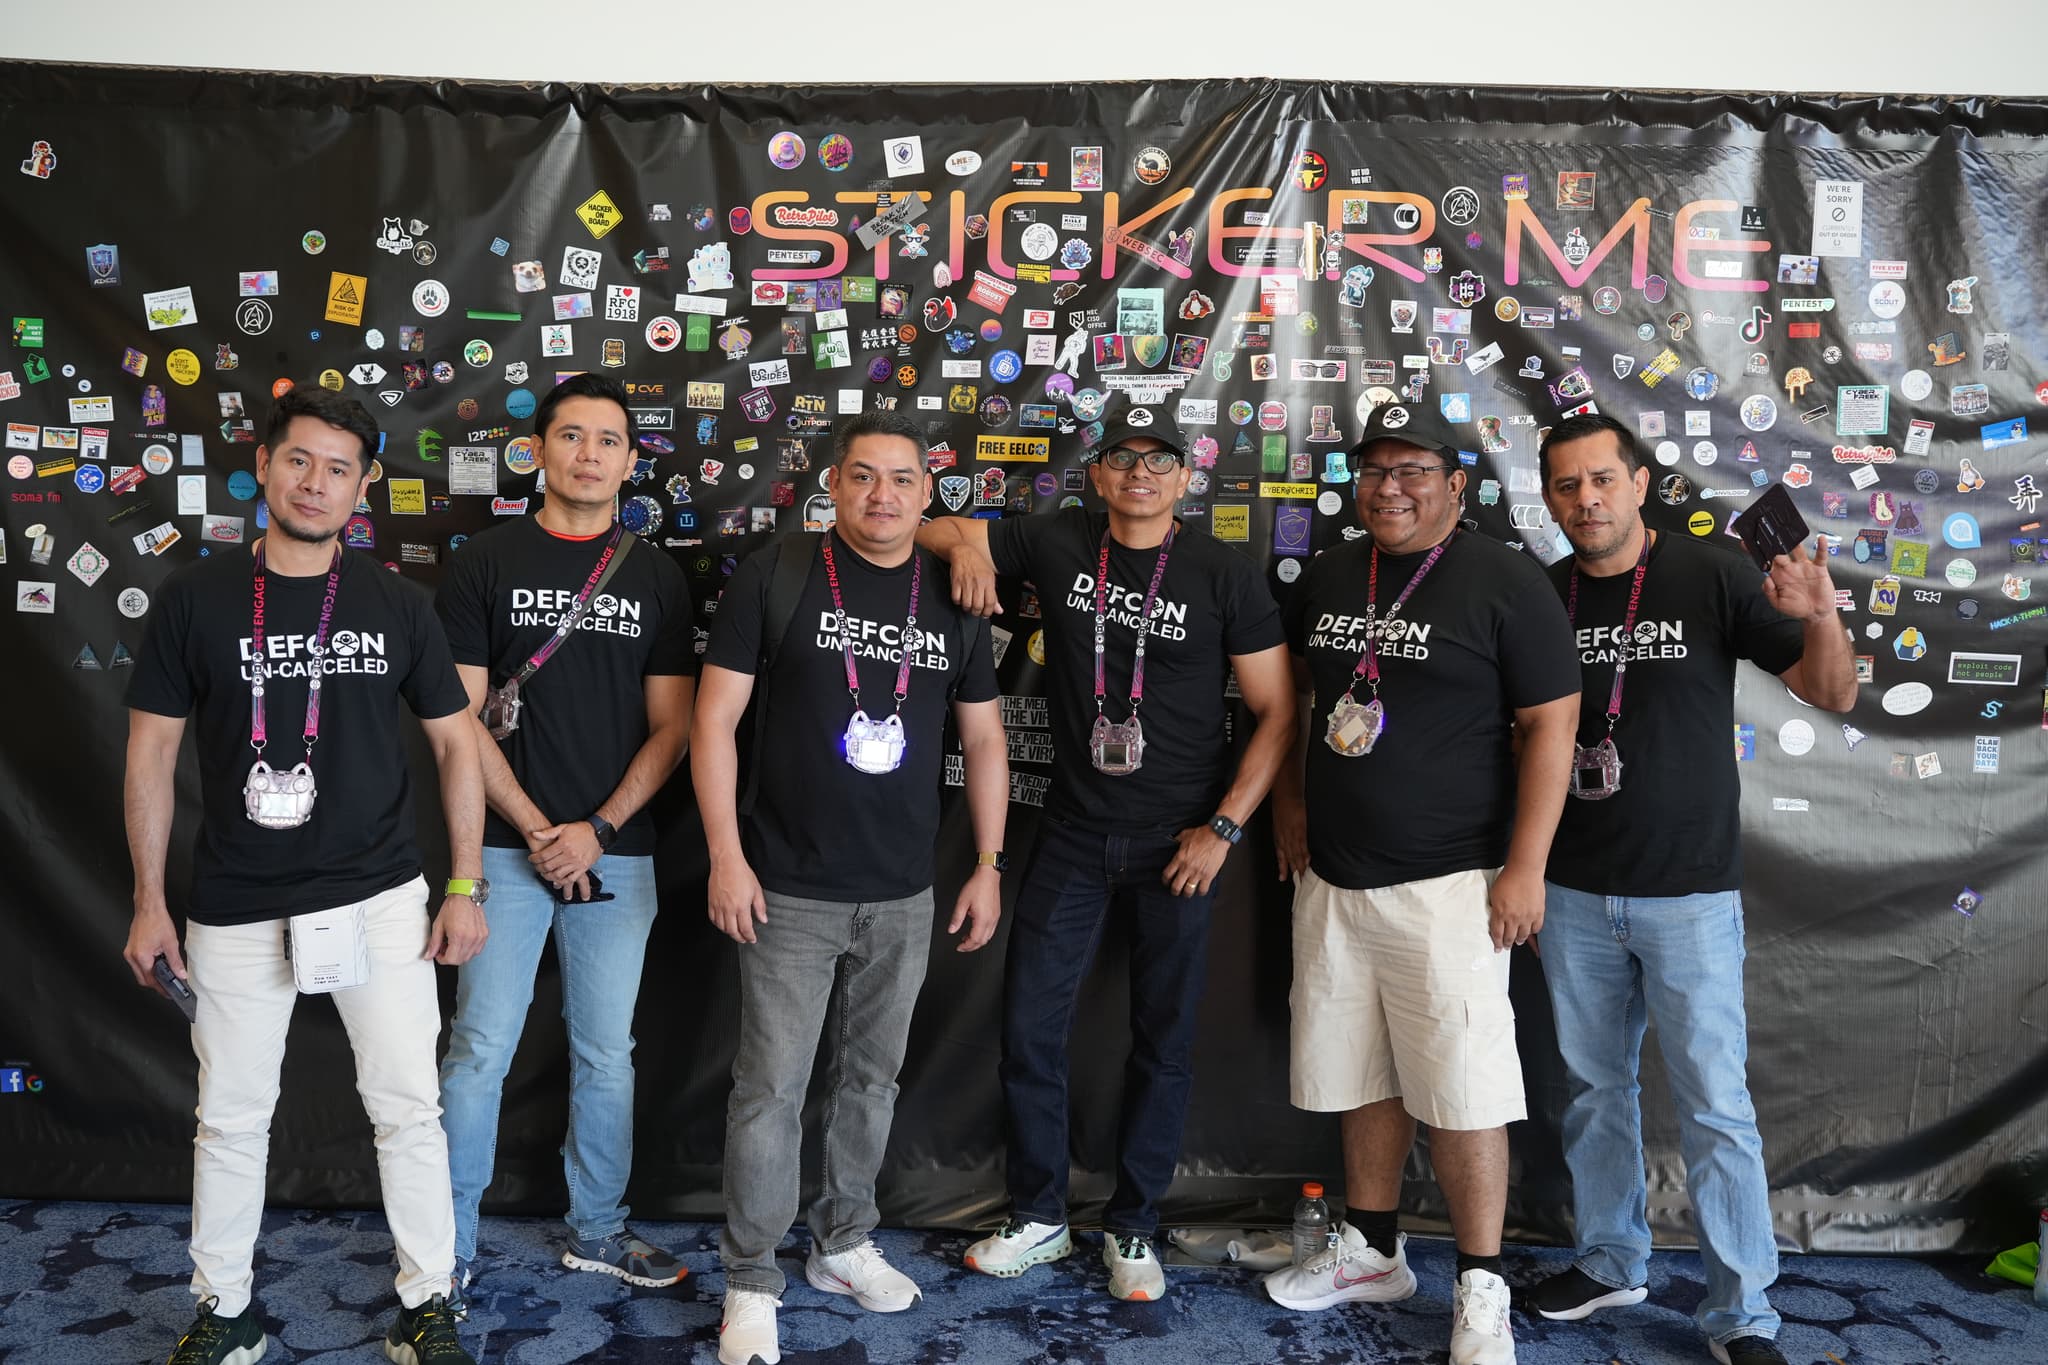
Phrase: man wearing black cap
{"type": "Point", "coordinates": [1142, 812]}
{"type": "Point", "coordinates": [1418, 841]}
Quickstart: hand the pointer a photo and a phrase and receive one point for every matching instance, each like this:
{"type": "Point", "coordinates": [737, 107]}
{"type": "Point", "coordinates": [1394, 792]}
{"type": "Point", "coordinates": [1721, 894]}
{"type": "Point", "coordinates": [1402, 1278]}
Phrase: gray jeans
{"type": "Point", "coordinates": [848, 971]}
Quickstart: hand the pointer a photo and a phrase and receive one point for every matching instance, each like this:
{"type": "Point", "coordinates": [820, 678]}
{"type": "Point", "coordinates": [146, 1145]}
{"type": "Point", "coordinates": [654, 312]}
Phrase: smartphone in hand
{"type": "Point", "coordinates": [180, 993]}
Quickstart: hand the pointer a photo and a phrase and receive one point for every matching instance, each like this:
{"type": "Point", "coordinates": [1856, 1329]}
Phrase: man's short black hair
{"type": "Point", "coordinates": [1577, 429]}
{"type": "Point", "coordinates": [874, 424]}
{"type": "Point", "coordinates": [586, 385]}
{"type": "Point", "coordinates": [335, 409]}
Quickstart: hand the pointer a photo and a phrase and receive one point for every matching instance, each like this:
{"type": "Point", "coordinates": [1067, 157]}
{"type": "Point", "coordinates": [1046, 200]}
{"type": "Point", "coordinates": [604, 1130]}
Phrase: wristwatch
{"type": "Point", "coordinates": [998, 860]}
{"type": "Point", "coordinates": [605, 832]}
{"type": "Point", "coordinates": [1226, 829]}
{"type": "Point", "coordinates": [478, 889]}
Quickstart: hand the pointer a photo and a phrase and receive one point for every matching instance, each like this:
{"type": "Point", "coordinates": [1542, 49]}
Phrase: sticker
{"type": "Point", "coordinates": [1908, 699]}
{"type": "Point", "coordinates": [345, 298]}
{"type": "Point", "coordinates": [786, 150]}
{"type": "Point", "coordinates": [1795, 737]}
{"type": "Point", "coordinates": [169, 308]}
{"type": "Point", "coordinates": [599, 214]}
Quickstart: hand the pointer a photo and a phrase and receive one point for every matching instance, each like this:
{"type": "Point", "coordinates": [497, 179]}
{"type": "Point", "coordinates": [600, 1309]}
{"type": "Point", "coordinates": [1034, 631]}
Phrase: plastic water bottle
{"type": "Point", "coordinates": [2040, 1269]}
{"type": "Point", "coordinates": [1312, 1227]}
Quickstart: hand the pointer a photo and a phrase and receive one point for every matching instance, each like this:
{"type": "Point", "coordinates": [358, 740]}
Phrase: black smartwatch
{"type": "Point", "coordinates": [997, 860]}
{"type": "Point", "coordinates": [604, 831]}
{"type": "Point", "coordinates": [1226, 829]}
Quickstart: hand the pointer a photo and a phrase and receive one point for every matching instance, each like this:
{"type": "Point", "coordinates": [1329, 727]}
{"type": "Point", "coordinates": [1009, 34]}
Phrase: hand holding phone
{"type": "Point", "coordinates": [176, 988]}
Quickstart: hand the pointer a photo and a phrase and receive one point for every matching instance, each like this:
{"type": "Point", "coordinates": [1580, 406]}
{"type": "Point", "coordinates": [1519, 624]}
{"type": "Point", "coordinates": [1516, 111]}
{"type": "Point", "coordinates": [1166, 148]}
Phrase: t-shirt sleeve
{"type": "Point", "coordinates": [431, 687]}
{"type": "Point", "coordinates": [1758, 631]}
{"type": "Point", "coordinates": [1536, 656]}
{"type": "Point", "coordinates": [736, 629]}
{"type": "Point", "coordinates": [163, 679]}
{"type": "Point", "coordinates": [1251, 618]}
{"type": "Point", "coordinates": [978, 671]}
{"type": "Point", "coordinates": [1294, 616]}
{"type": "Point", "coordinates": [1016, 544]}
{"type": "Point", "coordinates": [463, 605]}
{"type": "Point", "coordinates": [675, 651]}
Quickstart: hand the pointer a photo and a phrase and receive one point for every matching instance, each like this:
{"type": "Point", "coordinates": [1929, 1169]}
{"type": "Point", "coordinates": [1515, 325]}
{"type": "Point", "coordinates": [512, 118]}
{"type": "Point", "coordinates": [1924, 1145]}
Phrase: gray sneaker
{"type": "Point", "coordinates": [625, 1255]}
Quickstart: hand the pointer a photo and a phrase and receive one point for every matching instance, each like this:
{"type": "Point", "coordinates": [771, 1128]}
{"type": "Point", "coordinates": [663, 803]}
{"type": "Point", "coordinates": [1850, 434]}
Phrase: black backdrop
{"type": "Point", "coordinates": [1897, 1049]}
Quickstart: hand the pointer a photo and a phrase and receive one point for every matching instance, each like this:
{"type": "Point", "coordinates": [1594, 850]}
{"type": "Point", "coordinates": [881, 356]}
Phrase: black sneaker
{"type": "Point", "coordinates": [625, 1255]}
{"type": "Point", "coordinates": [215, 1340]}
{"type": "Point", "coordinates": [425, 1336]}
{"type": "Point", "coordinates": [1573, 1294]}
{"type": "Point", "coordinates": [1751, 1350]}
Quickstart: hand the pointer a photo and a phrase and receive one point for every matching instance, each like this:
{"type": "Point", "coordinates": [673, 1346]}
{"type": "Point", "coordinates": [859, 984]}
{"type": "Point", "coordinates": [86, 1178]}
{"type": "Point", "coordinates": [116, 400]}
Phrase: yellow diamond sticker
{"type": "Point", "coordinates": [599, 214]}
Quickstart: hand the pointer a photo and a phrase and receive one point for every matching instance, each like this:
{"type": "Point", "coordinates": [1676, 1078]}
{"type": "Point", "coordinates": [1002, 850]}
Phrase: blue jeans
{"type": "Point", "coordinates": [849, 971]}
{"type": "Point", "coordinates": [601, 945]}
{"type": "Point", "coordinates": [1610, 962]}
{"type": "Point", "coordinates": [1075, 877]}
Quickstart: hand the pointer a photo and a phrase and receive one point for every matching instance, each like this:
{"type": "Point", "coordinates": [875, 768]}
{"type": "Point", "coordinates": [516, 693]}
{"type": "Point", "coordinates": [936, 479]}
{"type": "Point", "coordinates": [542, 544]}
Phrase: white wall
{"type": "Point", "coordinates": [1971, 47]}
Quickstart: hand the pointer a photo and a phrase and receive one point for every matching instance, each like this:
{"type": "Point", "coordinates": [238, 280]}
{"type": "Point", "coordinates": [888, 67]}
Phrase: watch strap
{"type": "Point", "coordinates": [604, 831]}
{"type": "Point", "coordinates": [460, 886]}
{"type": "Point", "coordinates": [1226, 829]}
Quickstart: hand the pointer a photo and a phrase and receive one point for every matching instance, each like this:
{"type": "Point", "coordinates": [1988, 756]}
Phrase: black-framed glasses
{"type": "Point", "coordinates": [1406, 475]}
{"type": "Point", "coordinates": [1158, 461]}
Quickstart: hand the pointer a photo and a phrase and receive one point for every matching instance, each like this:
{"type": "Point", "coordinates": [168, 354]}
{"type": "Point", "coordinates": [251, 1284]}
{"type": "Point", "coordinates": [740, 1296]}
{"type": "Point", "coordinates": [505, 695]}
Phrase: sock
{"type": "Point", "coordinates": [1489, 1264]}
{"type": "Point", "coordinates": [1379, 1228]}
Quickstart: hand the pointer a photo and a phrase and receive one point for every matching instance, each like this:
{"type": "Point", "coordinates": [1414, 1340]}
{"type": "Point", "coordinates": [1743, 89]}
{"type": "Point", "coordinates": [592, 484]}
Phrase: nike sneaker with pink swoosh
{"type": "Point", "coordinates": [1349, 1271]}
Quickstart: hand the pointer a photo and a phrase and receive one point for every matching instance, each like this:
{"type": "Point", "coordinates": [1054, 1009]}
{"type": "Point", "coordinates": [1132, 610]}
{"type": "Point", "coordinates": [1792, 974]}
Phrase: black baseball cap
{"type": "Point", "coordinates": [1154, 420]}
{"type": "Point", "coordinates": [1411, 423]}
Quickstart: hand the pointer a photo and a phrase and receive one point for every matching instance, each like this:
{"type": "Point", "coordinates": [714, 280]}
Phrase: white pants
{"type": "Point", "coordinates": [244, 983]}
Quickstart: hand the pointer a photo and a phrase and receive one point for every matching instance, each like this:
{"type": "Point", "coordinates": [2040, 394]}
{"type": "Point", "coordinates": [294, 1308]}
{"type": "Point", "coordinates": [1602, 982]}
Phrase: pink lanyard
{"type": "Point", "coordinates": [1369, 661]}
{"type": "Point", "coordinates": [1144, 621]}
{"type": "Point", "coordinates": [1628, 625]}
{"type": "Point", "coordinates": [257, 670]}
{"type": "Point", "coordinates": [574, 616]}
{"type": "Point", "coordinates": [846, 636]}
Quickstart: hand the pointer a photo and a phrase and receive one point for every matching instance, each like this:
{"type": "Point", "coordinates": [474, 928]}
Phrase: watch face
{"type": "Point", "coordinates": [483, 890]}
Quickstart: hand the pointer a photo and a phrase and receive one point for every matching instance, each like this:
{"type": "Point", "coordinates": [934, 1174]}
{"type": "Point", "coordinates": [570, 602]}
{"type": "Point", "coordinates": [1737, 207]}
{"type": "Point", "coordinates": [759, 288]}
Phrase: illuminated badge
{"type": "Point", "coordinates": [1355, 726]}
{"type": "Point", "coordinates": [874, 746]}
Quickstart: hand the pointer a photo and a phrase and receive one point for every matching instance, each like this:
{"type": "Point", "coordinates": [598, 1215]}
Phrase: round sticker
{"type": "Point", "coordinates": [520, 403]}
{"type": "Point", "coordinates": [157, 459]}
{"type": "Point", "coordinates": [963, 163]}
{"type": "Point", "coordinates": [520, 456]}
{"type": "Point", "coordinates": [786, 150]}
{"type": "Point", "coordinates": [1705, 453]}
{"type": "Point", "coordinates": [991, 329]}
{"type": "Point", "coordinates": [1908, 699]}
{"type": "Point", "coordinates": [182, 366]}
{"type": "Point", "coordinates": [1759, 412]}
{"type": "Point", "coordinates": [1272, 415]}
{"type": "Point", "coordinates": [1960, 572]}
{"type": "Point", "coordinates": [995, 410]}
{"type": "Point", "coordinates": [1005, 366]}
{"type": "Point", "coordinates": [253, 316]}
{"type": "Point", "coordinates": [1674, 489]}
{"type": "Point", "coordinates": [1916, 385]}
{"type": "Point", "coordinates": [1700, 523]}
{"type": "Point", "coordinates": [314, 242]}
{"type": "Point", "coordinates": [664, 334]}
{"type": "Point", "coordinates": [1240, 412]}
{"type": "Point", "coordinates": [1887, 300]}
{"type": "Point", "coordinates": [443, 372]}
{"type": "Point", "coordinates": [1667, 452]}
{"type": "Point", "coordinates": [1151, 165]}
{"type": "Point", "coordinates": [242, 485]}
{"type": "Point", "coordinates": [430, 297]}
{"type": "Point", "coordinates": [1087, 403]}
{"type": "Point", "coordinates": [1039, 241]}
{"type": "Point", "coordinates": [746, 471]}
{"type": "Point", "coordinates": [132, 602]}
{"type": "Point", "coordinates": [1289, 570]}
{"type": "Point", "coordinates": [1607, 300]}
{"type": "Point", "coordinates": [1966, 609]}
{"type": "Point", "coordinates": [642, 516]}
{"type": "Point", "coordinates": [1795, 737]}
{"type": "Point", "coordinates": [1045, 484]}
{"type": "Point", "coordinates": [879, 370]}
{"type": "Point", "coordinates": [1035, 647]}
{"type": "Point", "coordinates": [374, 338]}
{"type": "Point", "coordinates": [835, 151]}
{"type": "Point", "coordinates": [477, 352]}
{"type": "Point", "coordinates": [21, 466]}
{"type": "Point", "coordinates": [1329, 504]}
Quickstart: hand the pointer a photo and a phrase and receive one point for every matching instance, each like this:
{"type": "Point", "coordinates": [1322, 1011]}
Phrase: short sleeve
{"type": "Point", "coordinates": [463, 605]}
{"type": "Point", "coordinates": [1758, 631]}
{"type": "Point", "coordinates": [1017, 544]}
{"type": "Point", "coordinates": [1294, 616]}
{"type": "Point", "coordinates": [163, 679]}
{"type": "Point", "coordinates": [736, 628]}
{"type": "Point", "coordinates": [1251, 623]}
{"type": "Point", "coordinates": [978, 673]}
{"type": "Point", "coordinates": [431, 687]}
{"type": "Point", "coordinates": [674, 652]}
{"type": "Point", "coordinates": [1536, 655]}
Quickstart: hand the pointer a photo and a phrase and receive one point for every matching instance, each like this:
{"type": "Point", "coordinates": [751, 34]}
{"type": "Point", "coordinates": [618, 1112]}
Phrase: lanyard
{"type": "Point", "coordinates": [258, 736]}
{"type": "Point", "coordinates": [1369, 661]}
{"type": "Point", "coordinates": [574, 616]}
{"type": "Point", "coordinates": [846, 636]}
{"type": "Point", "coordinates": [1628, 625]}
{"type": "Point", "coordinates": [1144, 620]}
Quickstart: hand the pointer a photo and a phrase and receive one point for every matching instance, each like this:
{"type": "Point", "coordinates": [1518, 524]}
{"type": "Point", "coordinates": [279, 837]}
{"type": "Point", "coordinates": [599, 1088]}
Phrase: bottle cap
{"type": "Point", "coordinates": [1314, 1191]}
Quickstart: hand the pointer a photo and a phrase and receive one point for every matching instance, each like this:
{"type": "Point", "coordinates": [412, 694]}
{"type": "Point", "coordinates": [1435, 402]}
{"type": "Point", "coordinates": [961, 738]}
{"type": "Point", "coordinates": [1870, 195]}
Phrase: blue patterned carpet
{"type": "Point", "coordinates": [101, 1284]}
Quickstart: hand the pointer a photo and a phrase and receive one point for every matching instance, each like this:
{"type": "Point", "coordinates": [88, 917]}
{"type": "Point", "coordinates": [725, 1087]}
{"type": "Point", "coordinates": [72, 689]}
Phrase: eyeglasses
{"type": "Point", "coordinates": [1407, 475]}
{"type": "Point", "coordinates": [1158, 461]}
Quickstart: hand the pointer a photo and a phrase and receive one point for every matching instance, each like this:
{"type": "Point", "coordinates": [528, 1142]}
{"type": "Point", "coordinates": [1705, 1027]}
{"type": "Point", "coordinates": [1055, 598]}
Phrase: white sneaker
{"type": "Point", "coordinates": [1134, 1273]}
{"type": "Point", "coordinates": [1019, 1245]}
{"type": "Point", "coordinates": [1350, 1270]}
{"type": "Point", "coordinates": [1479, 1321]}
{"type": "Point", "coordinates": [747, 1331]}
{"type": "Point", "coordinates": [861, 1272]}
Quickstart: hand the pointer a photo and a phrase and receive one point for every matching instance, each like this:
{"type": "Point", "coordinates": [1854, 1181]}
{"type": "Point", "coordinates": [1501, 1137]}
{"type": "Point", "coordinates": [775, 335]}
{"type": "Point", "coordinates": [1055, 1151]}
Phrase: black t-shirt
{"type": "Point", "coordinates": [384, 644]}
{"type": "Point", "coordinates": [1675, 827]}
{"type": "Point", "coordinates": [1212, 604]}
{"type": "Point", "coordinates": [1482, 636]}
{"type": "Point", "coordinates": [585, 711]}
{"type": "Point", "coordinates": [818, 827]}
